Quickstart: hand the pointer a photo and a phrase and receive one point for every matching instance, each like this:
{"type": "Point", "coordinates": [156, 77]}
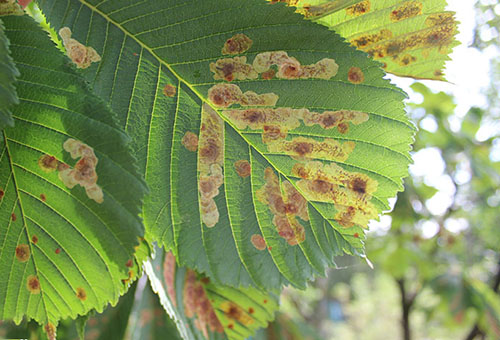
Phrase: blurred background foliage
{"type": "Point", "coordinates": [436, 256]}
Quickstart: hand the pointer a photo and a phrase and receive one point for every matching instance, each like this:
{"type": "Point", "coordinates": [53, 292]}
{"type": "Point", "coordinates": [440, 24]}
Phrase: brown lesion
{"type": "Point", "coordinates": [406, 10]}
{"type": "Point", "coordinates": [238, 43]}
{"type": "Point", "coordinates": [190, 141]}
{"type": "Point", "coordinates": [358, 9]}
{"type": "Point", "coordinates": [243, 168]}
{"type": "Point", "coordinates": [230, 69]}
{"type": "Point", "coordinates": [365, 40]}
{"type": "Point", "coordinates": [169, 268]}
{"type": "Point", "coordinates": [234, 312]}
{"type": "Point", "coordinates": [23, 253]}
{"type": "Point", "coordinates": [81, 294]}
{"type": "Point", "coordinates": [224, 95]}
{"type": "Point", "coordinates": [169, 90]}
{"type": "Point", "coordinates": [83, 56]}
{"type": "Point", "coordinates": [355, 75]}
{"type": "Point", "coordinates": [258, 242]}
{"type": "Point", "coordinates": [33, 284]}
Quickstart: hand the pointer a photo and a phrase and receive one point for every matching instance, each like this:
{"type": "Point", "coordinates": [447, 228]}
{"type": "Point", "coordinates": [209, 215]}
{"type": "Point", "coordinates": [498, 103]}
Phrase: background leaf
{"type": "Point", "coordinates": [8, 74]}
{"type": "Point", "coordinates": [410, 38]}
{"type": "Point", "coordinates": [63, 253]}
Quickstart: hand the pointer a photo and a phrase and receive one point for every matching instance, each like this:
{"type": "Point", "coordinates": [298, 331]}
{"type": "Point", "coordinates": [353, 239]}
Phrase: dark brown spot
{"type": "Point", "coordinates": [265, 301]}
{"type": "Point", "coordinates": [129, 263]}
{"type": "Point", "coordinates": [205, 280]}
{"type": "Point", "coordinates": [343, 128]}
{"type": "Point", "coordinates": [13, 217]}
{"type": "Point", "coordinates": [303, 148]}
{"type": "Point", "coordinates": [358, 9]}
{"type": "Point", "coordinates": [230, 326]}
{"type": "Point", "coordinates": [81, 294]}
{"type": "Point", "coordinates": [58, 251]}
{"type": "Point", "coordinates": [33, 284]}
{"type": "Point", "coordinates": [190, 141]}
{"type": "Point", "coordinates": [356, 235]}
{"type": "Point", "coordinates": [269, 74]}
{"type": "Point", "coordinates": [23, 252]}
{"type": "Point", "coordinates": [358, 185]}
{"type": "Point", "coordinates": [2, 194]}
{"type": "Point", "coordinates": [242, 168]}
{"type": "Point", "coordinates": [169, 90]}
{"type": "Point", "coordinates": [34, 239]}
{"type": "Point", "coordinates": [321, 186]}
{"type": "Point", "coordinates": [43, 197]}
{"type": "Point", "coordinates": [355, 75]}
{"type": "Point", "coordinates": [237, 44]}
{"type": "Point", "coordinates": [251, 310]}
{"type": "Point", "coordinates": [210, 151]}
{"type": "Point", "coordinates": [48, 163]}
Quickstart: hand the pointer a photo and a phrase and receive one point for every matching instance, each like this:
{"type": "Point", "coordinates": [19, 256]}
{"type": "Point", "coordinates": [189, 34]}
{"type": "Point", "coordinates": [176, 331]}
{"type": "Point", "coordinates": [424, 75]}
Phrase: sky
{"type": "Point", "coordinates": [468, 74]}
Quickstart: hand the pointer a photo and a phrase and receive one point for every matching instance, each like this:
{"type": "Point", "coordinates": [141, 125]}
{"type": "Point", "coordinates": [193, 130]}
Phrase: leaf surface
{"type": "Point", "coordinates": [65, 248]}
{"type": "Point", "coordinates": [217, 179]}
{"type": "Point", "coordinates": [410, 38]}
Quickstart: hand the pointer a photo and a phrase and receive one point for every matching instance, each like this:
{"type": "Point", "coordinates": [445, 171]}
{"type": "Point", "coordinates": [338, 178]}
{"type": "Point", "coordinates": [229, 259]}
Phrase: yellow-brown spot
{"type": "Point", "coordinates": [230, 69]}
{"type": "Point", "coordinates": [190, 141]}
{"type": "Point", "coordinates": [43, 197]}
{"type": "Point", "coordinates": [33, 284]}
{"type": "Point", "coordinates": [10, 7]}
{"type": "Point", "coordinates": [239, 43]}
{"type": "Point", "coordinates": [48, 163]}
{"type": "Point", "coordinates": [22, 252]}
{"type": "Point", "coordinates": [407, 9]}
{"type": "Point", "coordinates": [405, 60]}
{"type": "Point", "coordinates": [269, 74]}
{"type": "Point", "coordinates": [438, 19]}
{"type": "Point", "coordinates": [224, 95]}
{"type": "Point", "coordinates": [355, 75]}
{"type": "Point", "coordinates": [243, 168]}
{"type": "Point", "coordinates": [258, 242]}
{"type": "Point", "coordinates": [358, 9]}
{"type": "Point", "coordinates": [80, 54]}
{"type": "Point", "coordinates": [365, 40]}
{"type": "Point", "coordinates": [81, 294]}
{"type": "Point", "coordinates": [34, 239]}
{"type": "Point", "coordinates": [304, 148]}
{"type": "Point", "coordinates": [235, 312]}
{"type": "Point", "coordinates": [169, 90]}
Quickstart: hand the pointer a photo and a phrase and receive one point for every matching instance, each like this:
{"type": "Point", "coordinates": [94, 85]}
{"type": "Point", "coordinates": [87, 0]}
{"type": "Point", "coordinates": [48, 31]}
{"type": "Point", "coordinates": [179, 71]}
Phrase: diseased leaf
{"type": "Point", "coordinates": [70, 193]}
{"type": "Point", "coordinates": [8, 74]}
{"type": "Point", "coordinates": [266, 155]}
{"type": "Point", "coordinates": [410, 38]}
{"type": "Point", "coordinates": [204, 310]}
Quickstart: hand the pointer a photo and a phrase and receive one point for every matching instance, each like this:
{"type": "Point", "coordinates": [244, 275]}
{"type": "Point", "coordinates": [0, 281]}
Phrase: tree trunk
{"type": "Point", "coordinates": [405, 309]}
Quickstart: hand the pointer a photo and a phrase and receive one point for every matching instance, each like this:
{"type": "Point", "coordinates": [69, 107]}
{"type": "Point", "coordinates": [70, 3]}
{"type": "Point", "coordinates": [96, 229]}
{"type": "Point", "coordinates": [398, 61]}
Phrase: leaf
{"type": "Point", "coordinates": [203, 310]}
{"type": "Point", "coordinates": [410, 38]}
{"type": "Point", "coordinates": [64, 251]}
{"type": "Point", "coordinates": [162, 66]}
{"type": "Point", "coordinates": [8, 75]}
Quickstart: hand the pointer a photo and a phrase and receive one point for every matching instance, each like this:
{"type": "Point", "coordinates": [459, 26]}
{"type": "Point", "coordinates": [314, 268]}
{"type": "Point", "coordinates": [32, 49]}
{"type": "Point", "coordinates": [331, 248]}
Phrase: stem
{"type": "Point", "coordinates": [475, 331]}
{"type": "Point", "coordinates": [406, 304]}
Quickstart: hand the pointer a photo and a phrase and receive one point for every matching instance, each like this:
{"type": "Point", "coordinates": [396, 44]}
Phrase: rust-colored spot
{"type": "Point", "coordinates": [265, 301]}
{"type": "Point", "coordinates": [80, 54]}
{"type": "Point", "coordinates": [269, 74]}
{"type": "Point", "coordinates": [84, 172]}
{"type": "Point", "coordinates": [238, 43]}
{"type": "Point", "coordinates": [129, 263]}
{"type": "Point", "coordinates": [251, 310]}
{"type": "Point", "coordinates": [285, 222]}
{"type": "Point", "coordinates": [50, 331]}
{"type": "Point", "coordinates": [358, 9]}
{"type": "Point", "coordinates": [243, 168]}
{"type": "Point", "coordinates": [135, 54]}
{"type": "Point", "coordinates": [258, 241]}
{"type": "Point", "coordinates": [355, 75]}
{"type": "Point", "coordinates": [22, 252]}
{"type": "Point", "coordinates": [58, 250]}
{"type": "Point", "coordinates": [269, 248]}
{"type": "Point", "coordinates": [81, 294]}
{"type": "Point", "coordinates": [190, 141]}
{"type": "Point", "coordinates": [224, 95]}
{"type": "Point", "coordinates": [169, 90]}
{"type": "Point", "coordinates": [356, 235]}
{"type": "Point", "coordinates": [33, 284]}
{"type": "Point", "coordinates": [305, 148]}
{"type": "Point", "coordinates": [169, 276]}
{"type": "Point", "coordinates": [290, 67]}
{"type": "Point", "coordinates": [34, 239]}
{"type": "Point", "coordinates": [407, 9]}
{"type": "Point", "coordinates": [48, 163]}
{"type": "Point", "coordinates": [129, 277]}
{"type": "Point", "coordinates": [2, 194]}
{"type": "Point", "coordinates": [230, 69]}
{"type": "Point", "coordinates": [235, 312]}
{"type": "Point", "coordinates": [210, 162]}
{"type": "Point", "coordinates": [205, 280]}
{"type": "Point", "coordinates": [404, 60]}
{"type": "Point", "coordinates": [13, 217]}
{"type": "Point", "coordinates": [365, 40]}
{"type": "Point", "coordinates": [230, 326]}
{"type": "Point", "coordinates": [43, 197]}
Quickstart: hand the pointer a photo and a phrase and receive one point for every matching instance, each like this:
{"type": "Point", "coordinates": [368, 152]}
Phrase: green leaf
{"type": "Point", "coordinates": [204, 310]}
{"type": "Point", "coordinates": [8, 75]}
{"type": "Point", "coordinates": [160, 61]}
{"type": "Point", "coordinates": [410, 38]}
{"type": "Point", "coordinates": [65, 250]}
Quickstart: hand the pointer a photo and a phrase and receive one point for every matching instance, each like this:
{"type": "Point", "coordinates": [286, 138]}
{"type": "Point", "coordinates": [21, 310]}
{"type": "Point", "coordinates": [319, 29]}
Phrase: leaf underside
{"type": "Point", "coordinates": [410, 38]}
{"type": "Point", "coordinates": [8, 74]}
{"type": "Point", "coordinates": [63, 253]}
{"type": "Point", "coordinates": [156, 74]}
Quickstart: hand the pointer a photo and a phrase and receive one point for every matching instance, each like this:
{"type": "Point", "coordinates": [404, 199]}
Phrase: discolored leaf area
{"type": "Point", "coordinates": [8, 74]}
{"type": "Point", "coordinates": [69, 225]}
{"type": "Point", "coordinates": [204, 310]}
{"type": "Point", "coordinates": [410, 38]}
{"type": "Point", "coordinates": [278, 145]}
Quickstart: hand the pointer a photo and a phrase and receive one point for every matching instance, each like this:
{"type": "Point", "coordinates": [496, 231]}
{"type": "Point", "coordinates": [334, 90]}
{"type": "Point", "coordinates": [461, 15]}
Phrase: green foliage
{"type": "Point", "coordinates": [8, 74]}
